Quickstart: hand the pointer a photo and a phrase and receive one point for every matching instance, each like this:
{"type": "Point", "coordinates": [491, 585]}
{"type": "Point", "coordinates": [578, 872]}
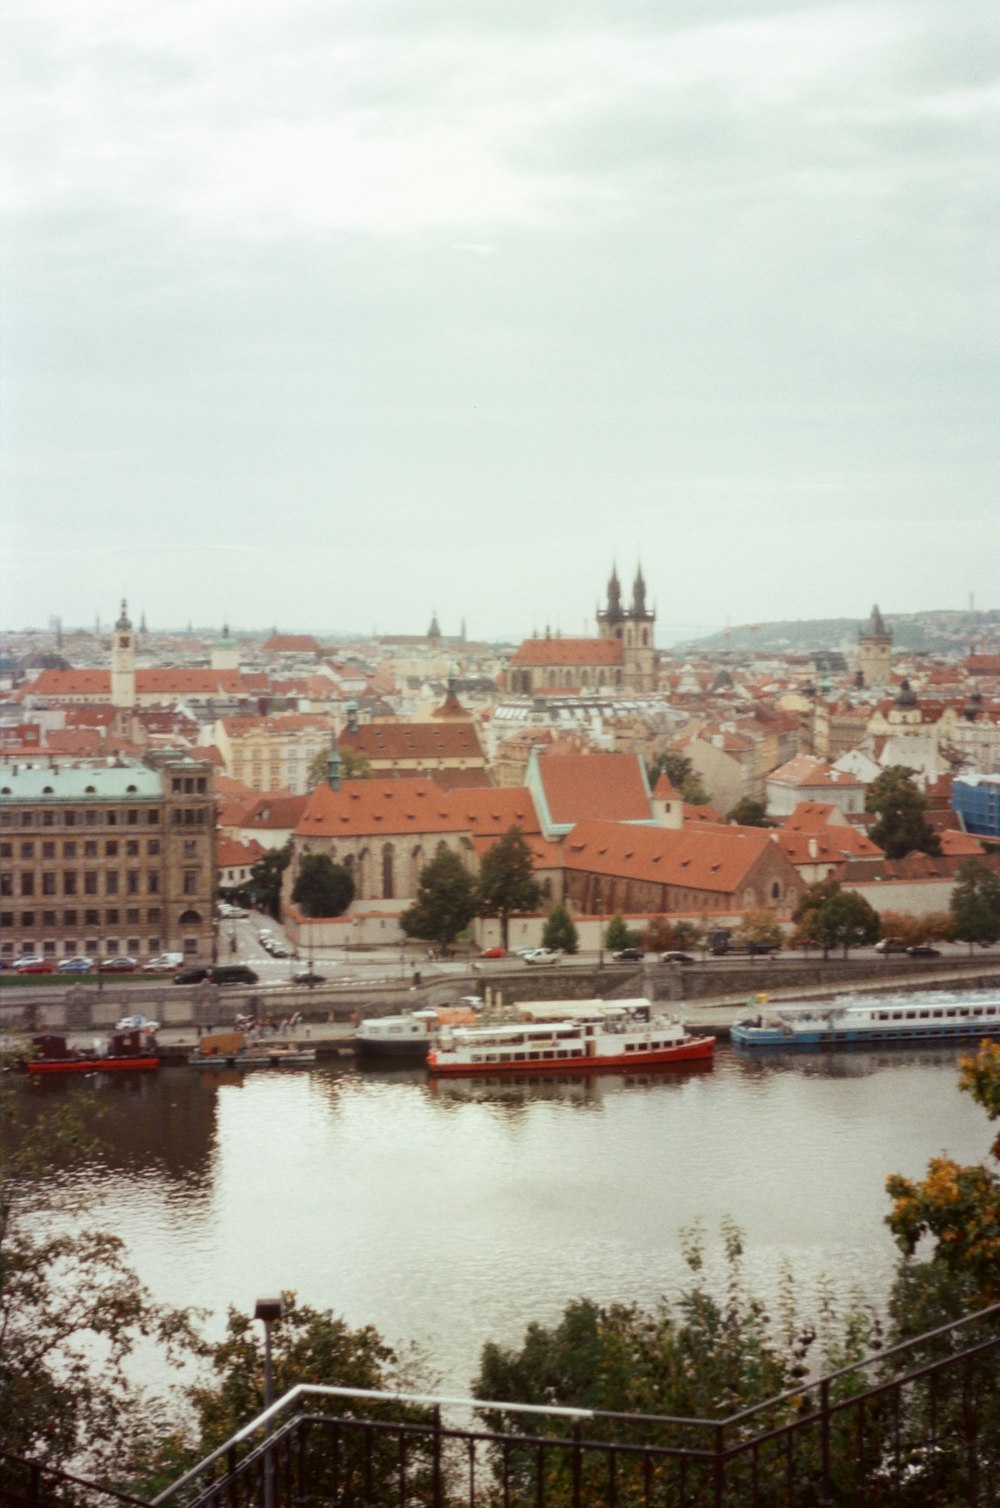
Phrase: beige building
{"type": "Point", "coordinates": [103, 859]}
{"type": "Point", "coordinates": [272, 753]}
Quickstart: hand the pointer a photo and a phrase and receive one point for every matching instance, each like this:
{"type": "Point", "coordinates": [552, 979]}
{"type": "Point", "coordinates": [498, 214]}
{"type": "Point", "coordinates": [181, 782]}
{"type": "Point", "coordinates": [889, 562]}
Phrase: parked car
{"type": "Point", "coordinates": [232, 973]}
{"type": "Point", "coordinates": [306, 976]}
{"type": "Point", "coordinates": [137, 1023]}
{"type": "Point", "coordinates": [164, 963]}
{"type": "Point", "coordinates": [890, 945]}
{"type": "Point", "coordinates": [493, 953]}
{"type": "Point", "coordinates": [278, 950]}
{"type": "Point", "coordinates": [628, 955]}
{"type": "Point", "coordinates": [32, 963]}
{"type": "Point", "coordinates": [542, 955]}
{"type": "Point", "coordinates": [77, 965]}
{"type": "Point", "coordinates": [672, 956]}
{"type": "Point", "coordinates": [923, 950]}
{"type": "Point", "coordinates": [120, 965]}
{"type": "Point", "coordinates": [193, 974]}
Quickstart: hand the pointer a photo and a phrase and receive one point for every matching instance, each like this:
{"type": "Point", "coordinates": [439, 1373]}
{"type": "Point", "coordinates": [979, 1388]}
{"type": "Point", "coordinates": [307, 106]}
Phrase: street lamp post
{"type": "Point", "coordinates": [268, 1311]}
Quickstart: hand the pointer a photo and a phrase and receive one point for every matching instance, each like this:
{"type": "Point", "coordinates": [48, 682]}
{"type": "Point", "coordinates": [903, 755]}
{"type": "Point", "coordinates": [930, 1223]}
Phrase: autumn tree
{"type": "Point", "coordinates": [507, 883]}
{"type": "Point", "coordinates": [322, 888]}
{"type": "Point", "coordinates": [902, 826]}
{"type": "Point", "coordinates": [975, 903]}
{"type": "Point", "coordinates": [445, 901]}
{"type": "Point", "coordinates": [353, 766]}
{"type": "Point", "coordinates": [829, 917]}
{"type": "Point", "coordinates": [760, 929]}
{"type": "Point", "coordinates": [958, 1206]}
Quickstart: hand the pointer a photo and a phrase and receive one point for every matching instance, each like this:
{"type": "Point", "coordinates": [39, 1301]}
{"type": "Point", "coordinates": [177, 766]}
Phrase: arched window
{"type": "Point", "coordinates": [776, 891]}
{"type": "Point", "coordinates": [387, 878]}
{"type": "Point", "coordinates": [190, 918]}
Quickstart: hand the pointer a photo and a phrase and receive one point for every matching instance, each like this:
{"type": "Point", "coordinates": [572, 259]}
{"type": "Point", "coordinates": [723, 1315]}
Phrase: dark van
{"type": "Point", "coordinates": [232, 973]}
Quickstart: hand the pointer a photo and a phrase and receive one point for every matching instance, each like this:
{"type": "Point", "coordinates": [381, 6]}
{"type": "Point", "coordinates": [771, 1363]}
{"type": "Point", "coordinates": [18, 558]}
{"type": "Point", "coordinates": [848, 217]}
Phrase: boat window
{"type": "Point", "coordinates": [911, 1015]}
{"type": "Point", "coordinates": [951, 1013]}
{"type": "Point", "coordinates": [977, 1011]}
{"type": "Point", "coordinates": [937, 1013]}
{"type": "Point", "coordinates": [883, 1015]}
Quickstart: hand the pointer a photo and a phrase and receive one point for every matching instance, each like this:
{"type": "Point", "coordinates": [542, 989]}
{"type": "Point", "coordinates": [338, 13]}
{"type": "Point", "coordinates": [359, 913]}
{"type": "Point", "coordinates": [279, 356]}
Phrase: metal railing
{"type": "Point", "coordinates": [917, 1426]}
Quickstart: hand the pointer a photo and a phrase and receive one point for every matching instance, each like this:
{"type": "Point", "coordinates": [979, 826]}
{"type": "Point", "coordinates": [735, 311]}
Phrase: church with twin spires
{"type": "Point", "coordinates": [622, 657]}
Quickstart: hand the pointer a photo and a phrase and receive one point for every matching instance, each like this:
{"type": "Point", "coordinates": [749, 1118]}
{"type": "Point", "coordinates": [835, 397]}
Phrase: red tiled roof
{"type": "Point", "coordinates": [568, 652]}
{"type": "Point", "coordinates": [230, 852]}
{"type": "Point", "coordinates": [716, 861]}
{"type": "Point", "coordinates": [422, 741]}
{"type": "Point", "coordinates": [367, 808]}
{"type": "Point", "coordinates": [609, 786]}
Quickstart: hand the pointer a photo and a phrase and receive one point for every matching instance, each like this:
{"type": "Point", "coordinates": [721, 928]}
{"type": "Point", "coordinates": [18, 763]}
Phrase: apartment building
{"type": "Point", "coordinates": [110, 857]}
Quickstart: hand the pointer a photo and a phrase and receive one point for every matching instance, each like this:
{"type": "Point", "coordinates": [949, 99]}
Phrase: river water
{"type": "Point", "coordinates": [455, 1213]}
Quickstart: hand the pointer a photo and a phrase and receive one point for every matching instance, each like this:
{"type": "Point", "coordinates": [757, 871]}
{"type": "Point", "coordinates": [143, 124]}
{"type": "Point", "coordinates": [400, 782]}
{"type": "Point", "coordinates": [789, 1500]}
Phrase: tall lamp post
{"type": "Point", "coordinates": [268, 1311]}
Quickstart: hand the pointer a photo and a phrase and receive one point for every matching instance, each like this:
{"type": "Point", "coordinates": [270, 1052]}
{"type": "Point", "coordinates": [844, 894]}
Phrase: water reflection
{"type": "Point", "coordinates": [453, 1212]}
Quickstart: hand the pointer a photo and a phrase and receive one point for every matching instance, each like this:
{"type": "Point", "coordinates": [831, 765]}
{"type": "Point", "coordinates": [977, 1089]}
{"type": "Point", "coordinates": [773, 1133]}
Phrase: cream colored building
{"type": "Point", "coordinates": [272, 753]}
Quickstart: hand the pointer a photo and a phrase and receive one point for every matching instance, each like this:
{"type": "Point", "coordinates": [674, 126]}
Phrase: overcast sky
{"type": "Point", "coordinates": [336, 313]}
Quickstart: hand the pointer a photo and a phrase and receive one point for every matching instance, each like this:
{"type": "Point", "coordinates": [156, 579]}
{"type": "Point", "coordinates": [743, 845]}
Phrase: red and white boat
{"type": "Point", "coordinates": [585, 1038]}
{"type": "Point", "coordinates": [127, 1052]}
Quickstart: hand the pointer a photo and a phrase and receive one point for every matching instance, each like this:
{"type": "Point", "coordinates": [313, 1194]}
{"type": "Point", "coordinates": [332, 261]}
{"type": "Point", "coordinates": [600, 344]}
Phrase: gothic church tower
{"type": "Point", "coordinates": [875, 651]}
{"type": "Point", "coordinates": [634, 627]}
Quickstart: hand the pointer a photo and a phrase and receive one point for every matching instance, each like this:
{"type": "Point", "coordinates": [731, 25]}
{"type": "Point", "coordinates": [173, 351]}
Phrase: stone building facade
{"type": "Point", "coordinates": [107, 858]}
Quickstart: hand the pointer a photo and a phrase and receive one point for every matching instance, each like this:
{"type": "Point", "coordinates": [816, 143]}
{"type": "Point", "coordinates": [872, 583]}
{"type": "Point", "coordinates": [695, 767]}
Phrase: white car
{"type": "Point", "coordinates": [164, 963]}
{"type": "Point", "coordinates": [137, 1024]}
{"type": "Point", "coordinates": [542, 955]}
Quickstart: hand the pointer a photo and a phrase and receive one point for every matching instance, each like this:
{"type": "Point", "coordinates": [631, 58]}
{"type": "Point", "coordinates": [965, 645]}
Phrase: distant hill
{"type": "Point", "coordinates": [935, 632]}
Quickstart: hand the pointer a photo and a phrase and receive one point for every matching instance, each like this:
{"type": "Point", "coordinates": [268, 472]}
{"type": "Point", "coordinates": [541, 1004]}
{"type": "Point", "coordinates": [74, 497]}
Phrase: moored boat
{"type": "Point", "coordinates": [232, 1050]}
{"type": "Point", "coordinates": [587, 1038]}
{"type": "Point", "coordinates": [409, 1036]}
{"type": "Point", "coordinates": [925, 1017]}
{"type": "Point", "coordinates": [126, 1052]}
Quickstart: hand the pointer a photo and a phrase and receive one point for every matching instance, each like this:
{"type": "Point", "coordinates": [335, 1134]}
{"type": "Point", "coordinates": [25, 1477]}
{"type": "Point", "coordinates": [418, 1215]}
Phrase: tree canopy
{"type": "Point", "coordinates": [902, 827]}
{"type": "Point", "coordinates": [266, 877]}
{"type": "Point", "coordinates": [560, 931]}
{"type": "Point", "coordinates": [750, 813]}
{"type": "Point", "coordinates": [322, 888]}
{"type": "Point", "coordinates": [975, 903]}
{"type": "Point", "coordinates": [507, 881]}
{"type": "Point", "coordinates": [828, 917]}
{"type": "Point", "coordinates": [958, 1206]}
{"type": "Point", "coordinates": [682, 776]}
{"type": "Point", "coordinates": [445, 902]}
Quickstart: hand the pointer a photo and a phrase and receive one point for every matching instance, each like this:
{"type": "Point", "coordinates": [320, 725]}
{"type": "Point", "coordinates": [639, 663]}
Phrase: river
{"type": "Point", "coordinates": [453, 1214]}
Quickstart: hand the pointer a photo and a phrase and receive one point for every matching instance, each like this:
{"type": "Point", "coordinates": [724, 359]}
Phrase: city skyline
{"type": "Point", "coordinates": [307, 313]}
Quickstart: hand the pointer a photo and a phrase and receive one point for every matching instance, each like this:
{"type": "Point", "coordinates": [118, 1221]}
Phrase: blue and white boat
{"type": "Point", "coordinates": [900, 1018]}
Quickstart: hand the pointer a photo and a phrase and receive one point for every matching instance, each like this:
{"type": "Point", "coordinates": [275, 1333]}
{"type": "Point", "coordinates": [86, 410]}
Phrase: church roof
{"type": "Point", "coordinates": [568, 652]}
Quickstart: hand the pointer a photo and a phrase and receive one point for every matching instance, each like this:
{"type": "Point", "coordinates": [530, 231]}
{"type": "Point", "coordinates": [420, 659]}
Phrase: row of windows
{"type": "Point", "coordinates": [112, 917]}
{"type": "Point", "coordinates": [110, 817]}
{"type": "Point", "coordinates": [67, 882]}
{"type": "Point", "coordinates": [89, 847]}
{"type": "Point", "coordinates": [189, 785]}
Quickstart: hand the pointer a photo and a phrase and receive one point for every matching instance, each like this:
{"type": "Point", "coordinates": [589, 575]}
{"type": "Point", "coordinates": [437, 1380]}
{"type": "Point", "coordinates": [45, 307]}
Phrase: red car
{"type": "Point", "coordinates": [120, 965]}
{"type": "Point", "coordinates": [32, 965]}
{"type": "Point", "coordinates": [493, 953]}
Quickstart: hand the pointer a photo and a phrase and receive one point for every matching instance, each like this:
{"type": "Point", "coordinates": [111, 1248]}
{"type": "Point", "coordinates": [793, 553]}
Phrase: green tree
{"type": "Point", "coordinates": [445, 902]}
{"type": "Point", "coordinates": [902, 826]}
{"type": "Point", "coordinates": [750, 813]}
{"type": "Point", "coordinates": [843, 920]}
{"type": "Point", "coordinates": [617, 935]}
{"type": "Point", "coordinates": [322, 888]}
{"type": "Point", "coordinates": [957, 1206]}
{"type": "Point", "coordinates": [266, 877]}
{"type": "Point", "coordinates": [507, 883]}
{"type": "Point", "coordinates": [353, 766]}
{"type": "Point", "coordinates": [72, 1312]}
{"type": "Point", "coordinates": [975, 903]}
{"type": "Point", "coordinates": [682, 776]}
{"type": "Point", "coordinates": [560, 931]}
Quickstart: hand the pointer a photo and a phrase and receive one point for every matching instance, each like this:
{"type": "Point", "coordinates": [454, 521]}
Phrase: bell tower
{"type": "Point", "coordinates": [875, 651]}
{"type": "Point", "coordinates": [123, 662]}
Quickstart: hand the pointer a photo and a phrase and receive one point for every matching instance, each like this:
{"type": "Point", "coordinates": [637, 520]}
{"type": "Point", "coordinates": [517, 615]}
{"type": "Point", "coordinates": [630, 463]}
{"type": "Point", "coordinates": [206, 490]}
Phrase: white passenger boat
{"type": "Point", "coordinates": [409, 1036]}
{"type": "Point", "coordinates": [902, 1018]}
{"type": "Point", "coordinates": [584, 1037]}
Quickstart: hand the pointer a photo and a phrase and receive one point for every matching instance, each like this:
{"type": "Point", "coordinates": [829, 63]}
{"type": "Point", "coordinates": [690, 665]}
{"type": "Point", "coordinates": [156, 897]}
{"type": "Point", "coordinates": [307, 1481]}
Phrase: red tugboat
{"type": "Point", "coordinates": [126, 1053]}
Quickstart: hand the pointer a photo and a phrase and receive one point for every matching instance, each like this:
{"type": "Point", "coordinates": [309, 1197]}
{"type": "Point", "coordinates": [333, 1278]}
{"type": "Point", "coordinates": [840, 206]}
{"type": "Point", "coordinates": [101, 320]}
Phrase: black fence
{"type": "Point", "coordinates": [914, 1427]}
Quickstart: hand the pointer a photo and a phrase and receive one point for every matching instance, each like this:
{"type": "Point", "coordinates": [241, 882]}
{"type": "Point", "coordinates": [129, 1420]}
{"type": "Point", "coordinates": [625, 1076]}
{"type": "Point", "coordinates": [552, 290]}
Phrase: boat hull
{"type": "Point", "coordinates": [695, 1050]}
{"type": "Point", "coordinates": [368, 1049]}
{"type": "Point", "coordinates": [92, 1065]}
{"type": "Point", "coordinates": [770, 1036]}
{"type": "Point", "coordinates": [248, 1061]}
